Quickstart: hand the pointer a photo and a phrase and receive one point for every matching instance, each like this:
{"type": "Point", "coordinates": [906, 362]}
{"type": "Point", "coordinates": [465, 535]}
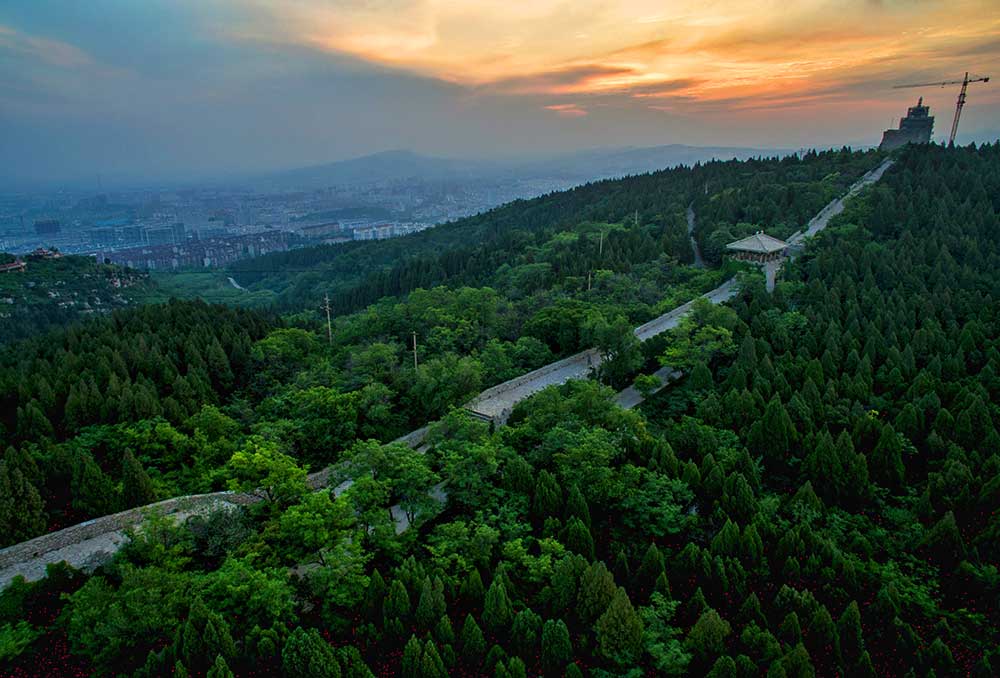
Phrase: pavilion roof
{"type": "Point", "coordinates": [759, 242]}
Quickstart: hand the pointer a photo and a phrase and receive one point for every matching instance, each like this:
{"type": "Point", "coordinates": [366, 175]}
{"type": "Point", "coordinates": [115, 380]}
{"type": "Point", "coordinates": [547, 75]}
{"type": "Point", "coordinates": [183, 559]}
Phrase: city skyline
{"type": "Point", "coordinates": [198, 89]}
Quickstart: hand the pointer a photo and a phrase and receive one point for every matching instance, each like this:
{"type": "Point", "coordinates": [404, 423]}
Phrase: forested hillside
{"type": "Point", "coordinates": [51, 293]}
{"type": "Point", "coordinates": [540, 239]}
{"type": "Point", "coordinates": [818, 496]}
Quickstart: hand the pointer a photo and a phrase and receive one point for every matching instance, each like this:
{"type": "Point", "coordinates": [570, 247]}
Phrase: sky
{"type": "Point", "coordinates": [191, 89]}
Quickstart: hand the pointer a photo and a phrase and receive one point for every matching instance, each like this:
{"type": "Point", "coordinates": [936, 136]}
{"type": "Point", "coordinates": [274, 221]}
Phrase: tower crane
{"type": "Point", "coordinates": [961, 96]}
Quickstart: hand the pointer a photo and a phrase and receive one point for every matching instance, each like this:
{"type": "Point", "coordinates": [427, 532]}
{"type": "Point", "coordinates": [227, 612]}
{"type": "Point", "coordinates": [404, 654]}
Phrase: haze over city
{"type": "Point", "coordinates": [179, 89]}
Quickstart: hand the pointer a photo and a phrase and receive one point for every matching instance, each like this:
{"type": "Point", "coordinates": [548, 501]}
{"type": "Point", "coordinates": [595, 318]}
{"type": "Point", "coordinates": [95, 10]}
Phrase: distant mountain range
{"type": "Point", "coordinates": [579, 166]}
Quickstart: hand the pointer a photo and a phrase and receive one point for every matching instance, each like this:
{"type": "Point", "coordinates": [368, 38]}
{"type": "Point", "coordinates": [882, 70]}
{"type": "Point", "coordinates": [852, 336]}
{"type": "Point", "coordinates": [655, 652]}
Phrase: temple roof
{"type": "Point", "coordinates": [759, 242]}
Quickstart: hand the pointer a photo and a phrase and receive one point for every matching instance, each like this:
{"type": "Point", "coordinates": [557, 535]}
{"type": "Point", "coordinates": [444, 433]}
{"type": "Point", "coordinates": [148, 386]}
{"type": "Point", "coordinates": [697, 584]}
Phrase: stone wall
{"type": "Point", "coordinates": [54, 541]}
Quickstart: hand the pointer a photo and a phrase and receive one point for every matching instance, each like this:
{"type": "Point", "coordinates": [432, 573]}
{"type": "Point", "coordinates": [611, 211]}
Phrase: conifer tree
{"type": "Point", "coordinates": [597, 588]}
{"type": "Point", "coordinates": [307, 655]}
{"type": "Point", "coordinates": [137, 488]}
{"type": "Point", "coordinates": [576, 506]}
{"type": "Point", "coordinates": [524, 633]}
{"type": "Point", "coordinates": [220, 669]}
{"type": "Point", "coordinates": [431, 665]}
{"type": "Point", "coordinates": [472, 643]}
{"type": "Point", "coordinates": [619, 630]}
{"type": "Point", "coordinates": [410, 667]}
{"type": "Point", "coordinates": [578, 539]}
{"type": "Point", "coordinates": [557, 650]}
{"type": "Point", "coordinates": [497, 609]}
{"type": "Point", "coordinates": [887, 459]}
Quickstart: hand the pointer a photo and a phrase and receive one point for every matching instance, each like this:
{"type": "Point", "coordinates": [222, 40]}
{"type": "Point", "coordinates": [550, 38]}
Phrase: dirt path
{"type": "Point", "coordinates": [699, 262]}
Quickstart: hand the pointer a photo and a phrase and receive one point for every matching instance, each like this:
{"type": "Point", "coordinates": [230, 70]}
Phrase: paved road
{"type": "Point", "coordinates": [497, 402]}
{"type": "Point", "coordinates": [820, 221]}
{"type": "Point", "coordinates": [630, 398]}
{"type": "Point", "coordinates": [699, 262]}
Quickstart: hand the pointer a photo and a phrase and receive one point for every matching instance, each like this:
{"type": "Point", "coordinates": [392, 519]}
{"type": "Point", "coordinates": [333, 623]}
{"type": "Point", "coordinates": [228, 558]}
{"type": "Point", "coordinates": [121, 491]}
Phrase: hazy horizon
{"type": "Point", "coordinates": [182, 90]}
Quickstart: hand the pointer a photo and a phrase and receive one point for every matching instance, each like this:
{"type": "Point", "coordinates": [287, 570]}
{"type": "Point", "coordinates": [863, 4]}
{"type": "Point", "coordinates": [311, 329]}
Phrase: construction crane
{"type": "Point", "coordinates": [961, 96]}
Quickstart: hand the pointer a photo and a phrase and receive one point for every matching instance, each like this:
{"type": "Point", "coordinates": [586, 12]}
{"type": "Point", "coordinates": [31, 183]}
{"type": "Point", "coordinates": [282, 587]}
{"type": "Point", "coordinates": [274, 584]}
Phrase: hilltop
{"type": "Point", "coordinates": [53, 292]}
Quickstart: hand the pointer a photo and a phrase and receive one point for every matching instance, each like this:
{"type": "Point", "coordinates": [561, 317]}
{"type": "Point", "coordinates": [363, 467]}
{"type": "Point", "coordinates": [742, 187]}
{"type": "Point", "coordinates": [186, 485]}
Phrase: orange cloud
{"type": "Point", "coordinates": [658, 54]}
{"type": "Point", "coordinates": [567, 110]}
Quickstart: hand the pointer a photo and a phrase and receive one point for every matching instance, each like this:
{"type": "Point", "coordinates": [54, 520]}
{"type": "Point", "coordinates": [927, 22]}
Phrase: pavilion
{"type": "Point", "coordinates": [763, 250]}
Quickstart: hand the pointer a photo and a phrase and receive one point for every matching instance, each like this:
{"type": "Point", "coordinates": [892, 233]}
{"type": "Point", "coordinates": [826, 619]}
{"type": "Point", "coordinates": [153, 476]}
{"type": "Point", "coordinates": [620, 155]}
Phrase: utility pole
{"type": "Point", "coordinates": [414, 350]}
{"type": "Point", "coordinates": [600, 247]}
{"type": "Point", "coordinates": [588, 281]}
{"type": "Point", "coordinates": [329, 325]}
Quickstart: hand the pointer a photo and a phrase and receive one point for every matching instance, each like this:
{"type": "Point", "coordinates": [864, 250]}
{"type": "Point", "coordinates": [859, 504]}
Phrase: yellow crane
{"type": "Point", "coordinates": [961, 96]}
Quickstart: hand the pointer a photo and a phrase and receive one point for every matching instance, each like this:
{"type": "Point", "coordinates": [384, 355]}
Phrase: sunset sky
{"type": "Point", "coordinates": [169, 88]}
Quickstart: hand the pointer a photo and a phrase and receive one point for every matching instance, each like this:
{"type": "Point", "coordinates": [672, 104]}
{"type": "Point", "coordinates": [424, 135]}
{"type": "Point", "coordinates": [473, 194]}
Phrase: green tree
{"type": "Point", "coordinates": [22, 514]}
{"type": "Point", "coordinates": [707, 637]}
{"type": "Point", "coordinates": [701, 334]}
{"type": "Point", "coordinates": [557, 650]}
{"type": "Point", "coordinates": [497, 609]}
{"type": "Point", "coordinates": [260, 468]}
{"type": "Point", "coordinates": [597, 588]}
{"type": "Point", "coordinates": [410, 666]}
{"type": "Point", "coordinates": [473, 644]}
{"type": "Point", "coordinates": [887, 459]}
{"type": "Point", "coordinates": [619, 631]}
{"type": "Point", "coordinates": [137, 488]}
{"type": "Point", "coordinates": [307, 655]}
{"type": "Point", "coordinates": [431, 665]}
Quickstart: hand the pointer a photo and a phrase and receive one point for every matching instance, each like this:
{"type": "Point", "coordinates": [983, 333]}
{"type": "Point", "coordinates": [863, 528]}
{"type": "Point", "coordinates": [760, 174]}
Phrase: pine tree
{"type": "Point", "coordinates": [619, 630]}
{"type": "Point", "coordinates": [220, 669]}
{"type": "Point", "coordinates": [597, 588]}
{"type": "Point", "coordinates": [497, 610]}
{"type": "Point", "coordinates": [374, 595]}
{"type": "Point", "coordinates": [707, 637]}
{"type": "Point", "coordinates": [472, 590]}
{"type": "Point", "coordinates": [548, 496]}
{"type": "Point", "coordinates": [472, 643]}
{"type": "Point", "coordinates": [22, 513]}
{"type": "Point", "coordinates": [137, 488]}
{"type": "Point", "coordinates": [650, 569]}
{"type": "Point", "coordinates": [307, 655]}
{"type": "Point", "coordinates": [724, 667]}
{"type": "Point", "coordinates": [431, 665]}
{"type": "Point", "coordinates": [397, 605]}
{"type": "Point", "coordinates": [524, 634]}
{"type": "Point", "coordinates": [557, 649]}
{"type": "Point", "coordinates": [887, 459]}
{"type": "Point", "coordinates": [431, 605]}
{"type": "Point", "coordinates": [852, 643]}
{"type": "Point", "coordinates": [576, 506]}
{"type": "Point", "coordinates": [410, 667]}
{"type": "Point", "coordinates": [578, 539]}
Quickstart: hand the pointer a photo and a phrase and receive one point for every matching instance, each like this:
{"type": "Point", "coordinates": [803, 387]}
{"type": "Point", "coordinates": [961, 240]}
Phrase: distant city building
{"type": "Point", "coordinates": [132, 235]}
{"type": "Point", "coordinates": [103, 237]}
{"type": "Point", "coordinates": [915, 128]}
{"type": "Point", "coordinates": [47, 227]}
{"type": "Point", "coordinates": [200, 253]}
{"type": "Point", "coordinates": [321, 230]}
{"type": "Point", "coordinates": [160, 236]}
{"type": "Point", "coordinates": [178, 229]}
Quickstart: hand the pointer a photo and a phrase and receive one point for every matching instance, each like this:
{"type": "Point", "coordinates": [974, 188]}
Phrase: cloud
{"type": "Point", "coordinates": [567, 110]}
{"type": "Point", "coordinates": [41, 50]}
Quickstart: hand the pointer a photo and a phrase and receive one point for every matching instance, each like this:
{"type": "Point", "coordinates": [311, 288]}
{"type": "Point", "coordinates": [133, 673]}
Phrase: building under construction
{"type": "Point", "coordinates": [915, 128]}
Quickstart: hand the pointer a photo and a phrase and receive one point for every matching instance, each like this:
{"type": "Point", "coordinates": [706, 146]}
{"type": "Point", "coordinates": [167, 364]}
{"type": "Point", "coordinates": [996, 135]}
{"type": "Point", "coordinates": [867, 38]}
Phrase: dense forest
{"type": "Point", "coordinates": [817, 497]}
{"type": "Point", "coordinates": [535, 242]}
